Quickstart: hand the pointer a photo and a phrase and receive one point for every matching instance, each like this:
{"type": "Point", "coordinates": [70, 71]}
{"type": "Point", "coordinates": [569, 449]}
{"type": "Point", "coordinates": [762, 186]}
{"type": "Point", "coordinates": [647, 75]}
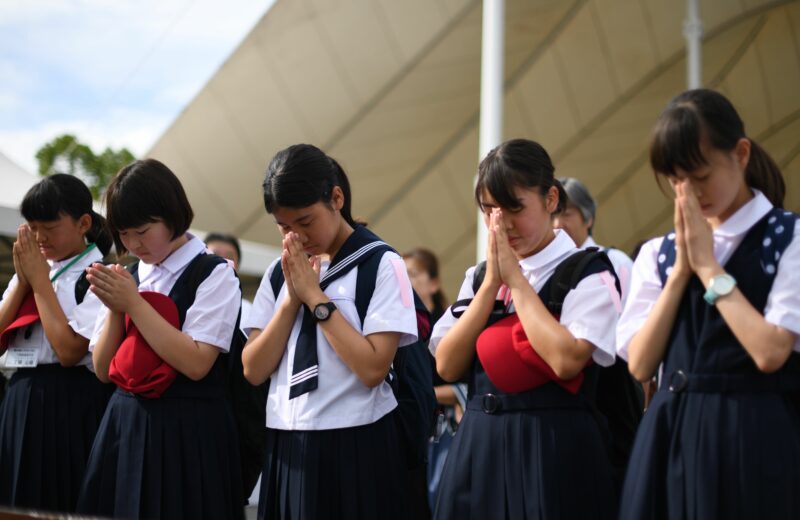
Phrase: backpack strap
{"type": "Point", "coordinates": [569, 274]}
{"type": "Point", "coordinates": [478, 276]}
{"type": "Point", "coordinates": [185, 289]}
{"type": "Point", "coordinates": [81, 288]}
{"type": "Point", "coordinates": [276, 279]}
{"type": "Point", "coordinates": [133, 268]}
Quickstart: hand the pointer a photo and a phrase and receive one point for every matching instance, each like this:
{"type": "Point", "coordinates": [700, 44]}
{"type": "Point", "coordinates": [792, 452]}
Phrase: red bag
{"type": "Point", "coordinates": [135, 367]}
{"type": "Point", "coordinates": [512, 364]}
{"type": "Point", "coordinates": [28, 313]}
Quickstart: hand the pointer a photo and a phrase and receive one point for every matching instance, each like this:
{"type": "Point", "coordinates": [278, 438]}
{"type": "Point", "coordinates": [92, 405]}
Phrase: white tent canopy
{"type": "Point", "coordinates": [391, 89]}
{"type": "Point", "coordinates": [15, 183]}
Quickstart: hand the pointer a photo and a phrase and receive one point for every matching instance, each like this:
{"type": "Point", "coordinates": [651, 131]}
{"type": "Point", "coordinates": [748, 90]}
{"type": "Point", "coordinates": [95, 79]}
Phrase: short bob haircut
{"type": "Point", "coordinates": [143, 192]}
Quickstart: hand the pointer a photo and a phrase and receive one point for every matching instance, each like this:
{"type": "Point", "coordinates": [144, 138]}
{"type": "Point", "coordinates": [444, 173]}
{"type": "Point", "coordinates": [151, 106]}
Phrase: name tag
{"type": "Point", "coordinates": [22, 357]}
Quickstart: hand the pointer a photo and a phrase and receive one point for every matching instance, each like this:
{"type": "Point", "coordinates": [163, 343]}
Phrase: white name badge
{"type": "Point", "coordinates": [22, 357]}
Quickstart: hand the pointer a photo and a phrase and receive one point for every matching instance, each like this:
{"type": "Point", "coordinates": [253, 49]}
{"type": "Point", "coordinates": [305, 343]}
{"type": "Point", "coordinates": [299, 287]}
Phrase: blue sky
{"type": "Point", "coordinates": [113, 72]}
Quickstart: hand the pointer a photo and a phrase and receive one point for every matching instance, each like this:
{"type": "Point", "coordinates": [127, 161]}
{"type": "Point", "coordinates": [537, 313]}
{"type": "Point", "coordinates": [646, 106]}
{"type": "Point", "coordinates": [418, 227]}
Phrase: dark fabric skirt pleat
{"type": "Point", "coordinates": [48, 422]}
{"type": "Point", "coordinates": [698, 456]}
{"type": "Point", "coordinates": [348, 473]}
{"type": "Point", "coordinates": [169, 458]}
{"type": "Point", "coordinates": [536, 465]}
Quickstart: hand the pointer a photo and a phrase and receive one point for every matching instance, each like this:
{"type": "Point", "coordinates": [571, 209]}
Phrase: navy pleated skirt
{"type": "Point", "coordinates": [48, 422]}
{"type": "Point", "coordinates": [171, 457]}
{"type": "Point", "coordinates": [715, 455]}
{"type": "Point", "coordinates": [534, 464]}
{"type": "Point", "coordinates": [348, 473]}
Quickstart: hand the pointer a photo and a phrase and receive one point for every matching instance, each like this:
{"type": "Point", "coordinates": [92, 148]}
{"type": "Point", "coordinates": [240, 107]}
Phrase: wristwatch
{"type": "Point", "coordinates": [721, 285]}
{"type": "Point", "coordinates": [323, 311]}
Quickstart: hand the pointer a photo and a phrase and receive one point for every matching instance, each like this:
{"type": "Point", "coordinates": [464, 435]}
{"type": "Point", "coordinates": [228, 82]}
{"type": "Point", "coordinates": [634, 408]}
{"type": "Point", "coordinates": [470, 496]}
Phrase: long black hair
{"type": "Point", "coordinates": [62, 194]}
{"type": "Point", "coordinates": [703, 114]}
{"type": "Point", "coordinates": [302, 175]}
{"type": "Point", "coordinates": [517, 163]}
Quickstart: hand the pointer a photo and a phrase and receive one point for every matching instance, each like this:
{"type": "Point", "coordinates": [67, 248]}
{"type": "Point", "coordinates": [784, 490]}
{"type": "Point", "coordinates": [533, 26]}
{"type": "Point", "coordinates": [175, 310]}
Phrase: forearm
{"type": "Point", "coordinates": [445, 395]}
{"type": "Point", "coordinates": [768, 345]}
{"type": "Point", "coordinates": [189, 357]}
{"type": "Point", "coordinates": [68, 346]}
{"type": "Point", "coordinates": [456, 350]}
{"type": "Point", "coordinates": [265, 349]}
{"type": "Point", "coordinates": [11, 304]}
{"type": "Point", "coordinates": [562, 352]}
{"type": "Point", "coordinates": [647, 347]}
{"type": "Point", "coordinates": [369, 358]}
{"type": "Point", "coordinates": [111, 336]}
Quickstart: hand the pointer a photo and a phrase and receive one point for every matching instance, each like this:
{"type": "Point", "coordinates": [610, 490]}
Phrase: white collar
{"type": "Point", "coordinates": [178, 259]}
{"type": "Point", "coordinates": [745, 217]}
{"type": "Point", "coordinates": [553, 252]}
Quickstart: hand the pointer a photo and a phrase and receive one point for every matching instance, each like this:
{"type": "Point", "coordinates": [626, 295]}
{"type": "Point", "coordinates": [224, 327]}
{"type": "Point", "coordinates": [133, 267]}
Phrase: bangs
{"type": "Point", "coordinates": [43, 202]}
{"type": "Point", "coordinates": [500, 182]}
{"type": "Point", "coordinates": [676, 141]}
{"type": "Point", "coordinates": [284, 191]}
{"type": "Point", "coordinates": [132, 205]}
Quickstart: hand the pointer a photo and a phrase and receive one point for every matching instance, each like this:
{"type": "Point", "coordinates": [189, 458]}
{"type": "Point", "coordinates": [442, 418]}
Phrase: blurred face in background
{"type": "Point", "coordinates": [225, 250]}
{"type": "Point", "coordinates": [571, 220]}
{"type": "Point", "coordinates": [421, 281]}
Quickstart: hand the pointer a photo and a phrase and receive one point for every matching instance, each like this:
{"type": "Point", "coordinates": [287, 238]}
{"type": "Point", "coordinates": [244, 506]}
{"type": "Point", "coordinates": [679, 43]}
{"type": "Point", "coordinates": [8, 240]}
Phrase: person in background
{"type": "Point", "coordinates": [578, 219]}
{"type": "Point", "coordinates": [423, 270]}
{"type": "Point", "coordinates": [227, 246]}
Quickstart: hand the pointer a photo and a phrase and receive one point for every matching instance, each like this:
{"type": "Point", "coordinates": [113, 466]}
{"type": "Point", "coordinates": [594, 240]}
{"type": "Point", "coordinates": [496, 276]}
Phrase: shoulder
{"type": "Point", "coordinates": [618, 257]}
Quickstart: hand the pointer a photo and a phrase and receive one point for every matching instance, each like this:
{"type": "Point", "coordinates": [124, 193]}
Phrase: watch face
{"type": "Point", "coordinates": [321, 312]}
{"type": "Point", "coordinates": [723, 284]}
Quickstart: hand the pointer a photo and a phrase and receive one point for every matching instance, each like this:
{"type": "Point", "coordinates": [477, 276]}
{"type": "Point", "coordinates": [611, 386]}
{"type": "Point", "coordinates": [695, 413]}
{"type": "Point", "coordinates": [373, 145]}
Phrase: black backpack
{"type": "Point", "coordinates": [247, 401]}
{"type": "Point", "coordinates": [617, 398]}
{"type": "Point", "coordinates": [411, 374]}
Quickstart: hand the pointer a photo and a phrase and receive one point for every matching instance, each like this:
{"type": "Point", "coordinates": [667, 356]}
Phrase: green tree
{"type": "Point", "coordinates": [65, 154]}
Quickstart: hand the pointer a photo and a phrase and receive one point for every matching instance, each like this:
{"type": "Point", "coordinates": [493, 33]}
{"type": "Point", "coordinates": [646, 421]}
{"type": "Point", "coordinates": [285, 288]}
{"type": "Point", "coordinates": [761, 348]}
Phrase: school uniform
{"type": "Point", "coordinates": [540, 453]}
{"type": "Point", "coordinates": [620, 398]}
{"type": "Point", "coordinates": [50, 414]}
{"type": "Point", "coordinates": [621, 262]}
{"type": "Point", "coordinates": [333, 451]}
{"type": "Point", "coordinates": [720, 439]}
{"type": "Point", "coordinates": [173, 456]}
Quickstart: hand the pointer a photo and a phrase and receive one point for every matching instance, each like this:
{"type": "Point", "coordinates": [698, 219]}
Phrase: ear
{"type": "Point", "coordinates": [85, 223]}
{"type": "Point", "coordinates": [742, 152]}
{"type": "Point", "coordinates": [551, 200]}
{"type": "Point", "coordinates": [337, 198]}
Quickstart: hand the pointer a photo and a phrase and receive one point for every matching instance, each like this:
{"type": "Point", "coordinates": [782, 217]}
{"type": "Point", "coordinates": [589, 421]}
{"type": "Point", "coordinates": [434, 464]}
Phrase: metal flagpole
{"type": "Point", "coordinates": [491, 125]}
{"type": "Point", "coordinates": [693, 32]}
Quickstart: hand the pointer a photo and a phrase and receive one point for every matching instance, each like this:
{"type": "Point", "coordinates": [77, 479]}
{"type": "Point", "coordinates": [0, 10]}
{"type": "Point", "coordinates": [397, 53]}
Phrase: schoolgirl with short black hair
{"type": "Point", "coordinates": [167, 446]}
{"type": "Point", "coordinates": [54, 403]}
{"type": "Point", "coordinates": [715, 304]}
{"type": "Point", "coordinates": [529, 445]}
{"type": "Point", "coordinates": [333, 446]}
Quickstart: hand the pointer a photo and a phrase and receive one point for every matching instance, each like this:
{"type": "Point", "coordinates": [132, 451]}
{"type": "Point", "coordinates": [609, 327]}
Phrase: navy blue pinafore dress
{"type": "Point", "coordinates": [721, 439]}
{"type": "Point", "coordinates": [538, 454]}
{"type": "Point", "coordinates": [172, 457]}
